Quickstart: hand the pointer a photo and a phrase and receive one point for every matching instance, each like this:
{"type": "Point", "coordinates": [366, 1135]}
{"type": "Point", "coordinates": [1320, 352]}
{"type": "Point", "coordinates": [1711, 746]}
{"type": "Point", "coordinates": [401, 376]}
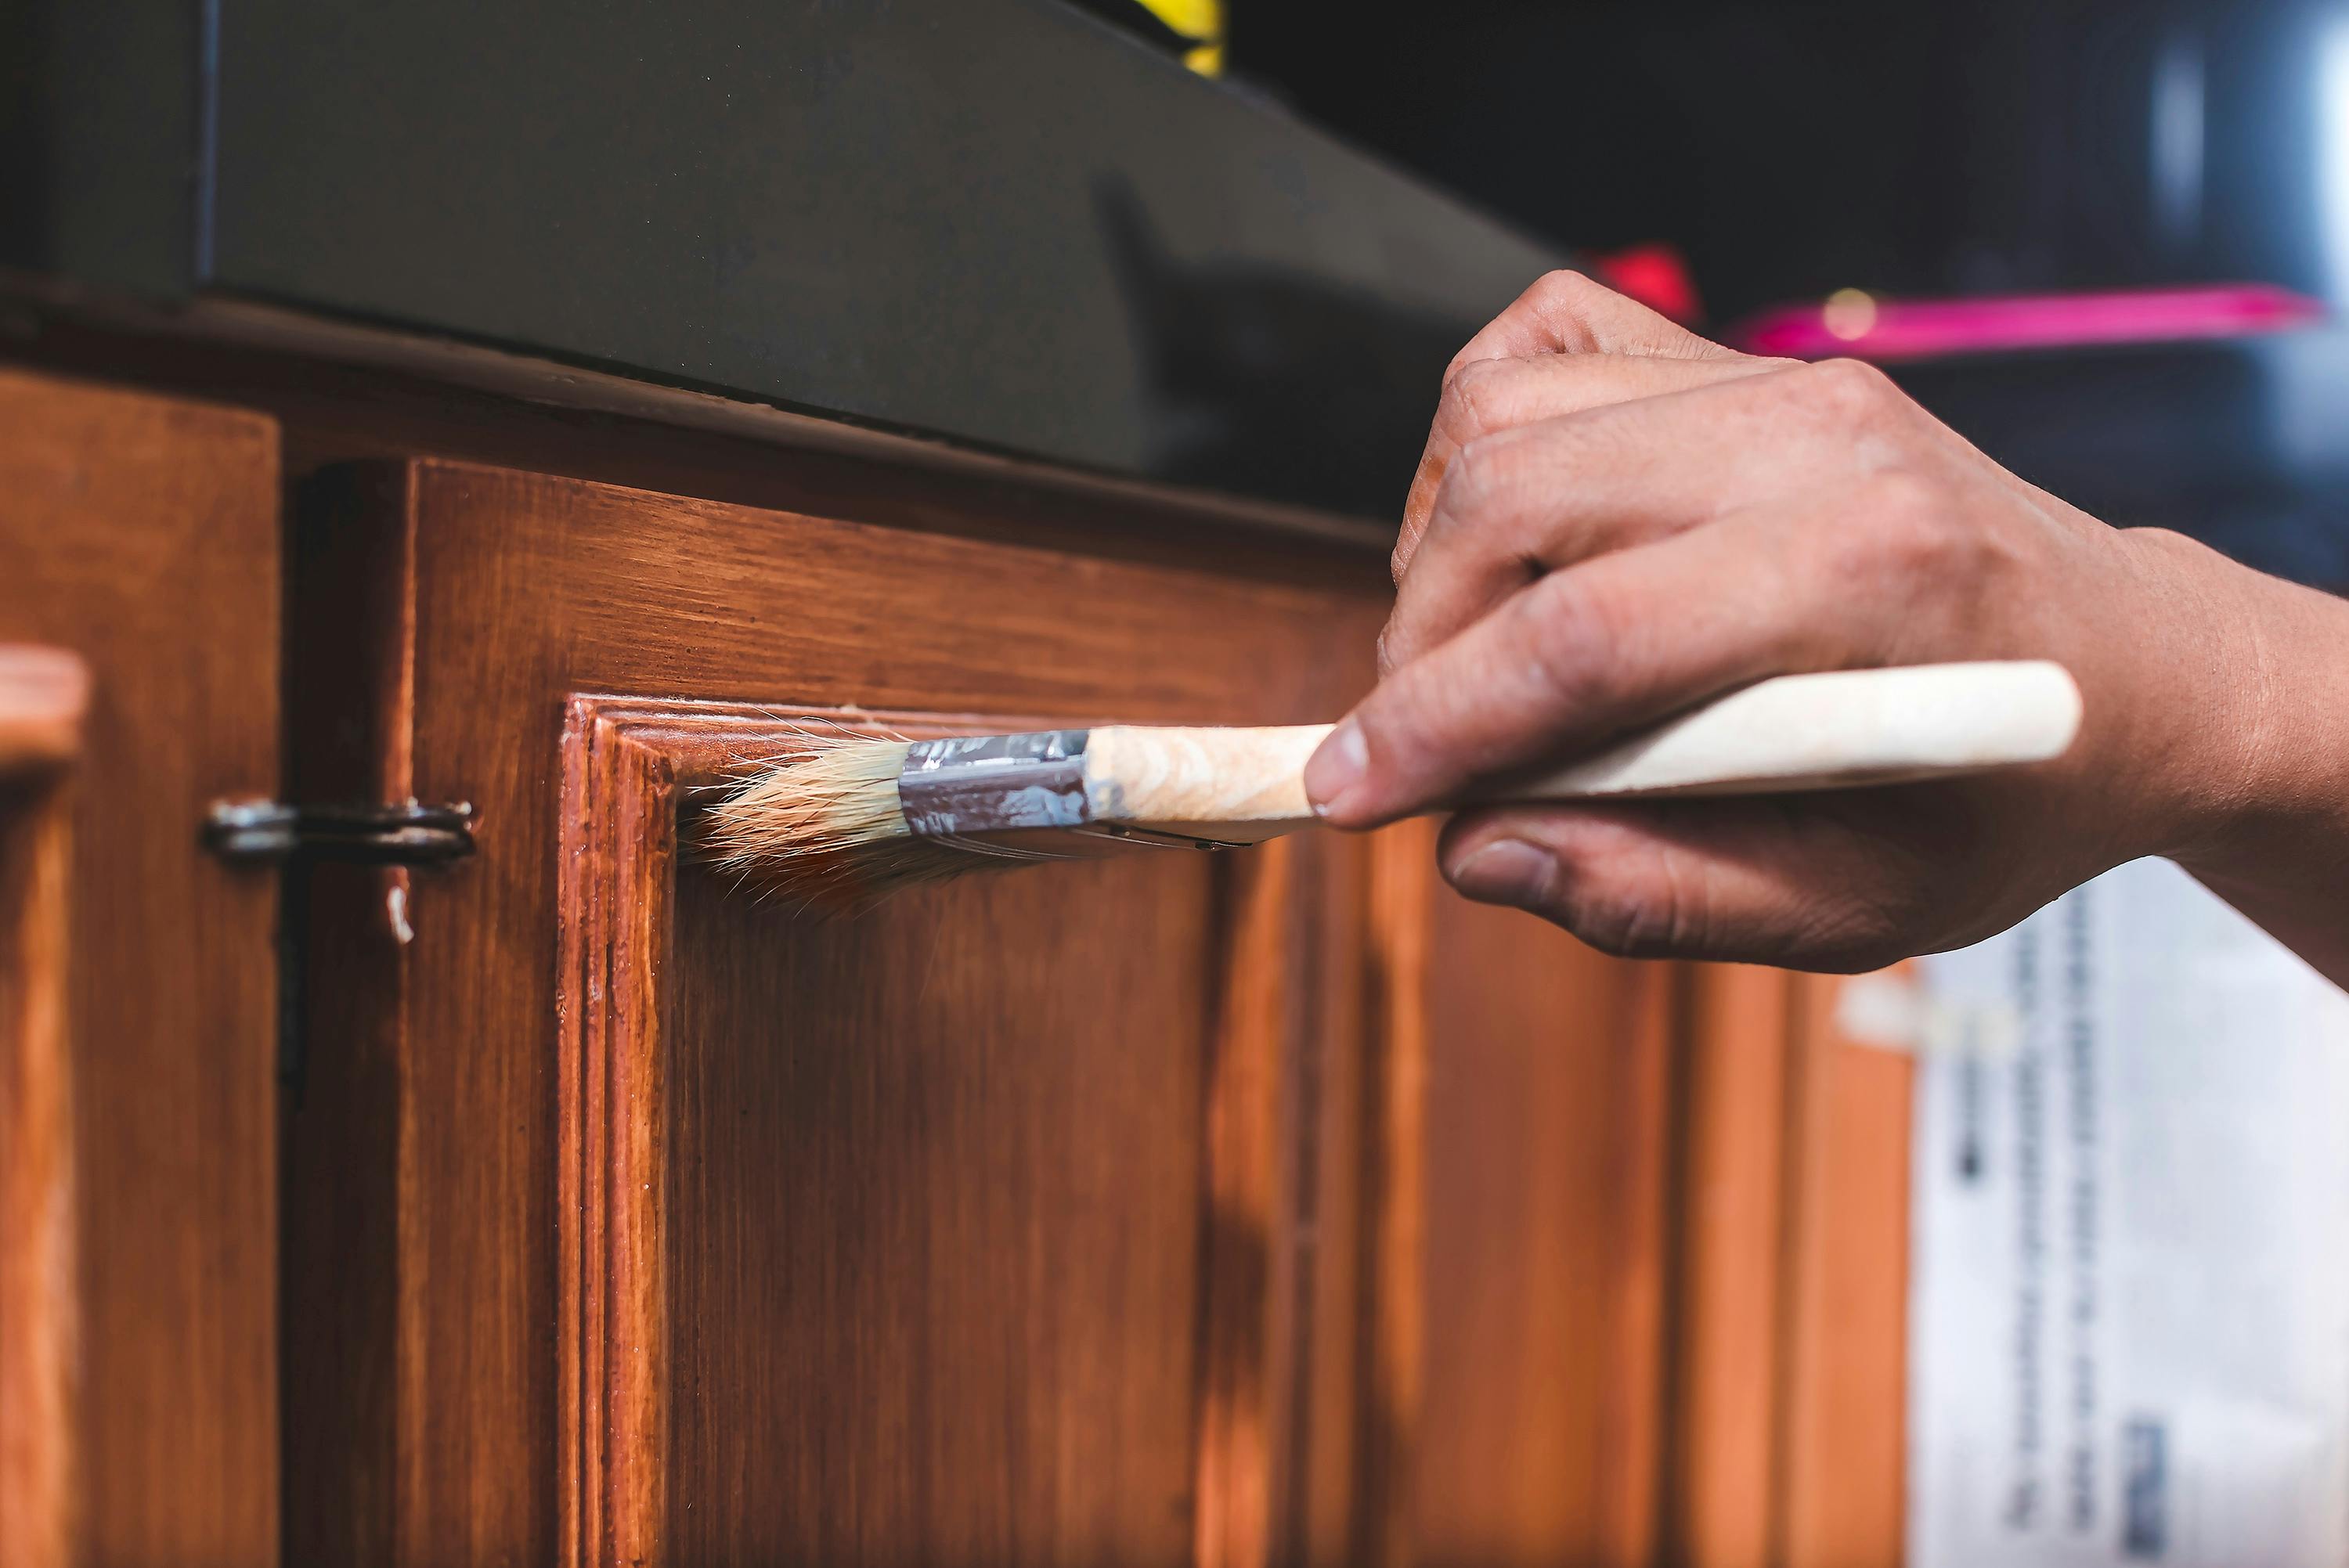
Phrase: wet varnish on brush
{"type": "Point", "coordinates": [851, 818]}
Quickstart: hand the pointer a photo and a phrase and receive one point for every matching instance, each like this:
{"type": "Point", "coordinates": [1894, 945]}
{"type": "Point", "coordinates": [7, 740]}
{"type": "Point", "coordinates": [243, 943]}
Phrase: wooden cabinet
{"type": "Point", "coordinates": [960, 1230]}
{"type": "Point", "coordinates": [139, 537]}
{"type": "Point", "coordinates": [1276, 1207]}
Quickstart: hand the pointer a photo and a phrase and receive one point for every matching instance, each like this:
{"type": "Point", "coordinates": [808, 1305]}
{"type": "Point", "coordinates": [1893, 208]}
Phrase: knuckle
{"type": "Point", "coordinates": [1563, 302]}
{"type": "Point", "coordinates": [1479, 395]}
{"type": "Point", "coordinates": [1475, 479]}
{"type": "Point", "coordinates": [1564, 286]}
{"type": "Point", "coordinates": [1470, 392]}
{"type": "Point", "coordinates": [1851, 392]}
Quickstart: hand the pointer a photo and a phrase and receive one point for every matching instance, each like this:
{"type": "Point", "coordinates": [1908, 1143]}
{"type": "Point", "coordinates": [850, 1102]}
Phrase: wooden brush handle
{"type": "Point", "coordinates": [1828, 731]}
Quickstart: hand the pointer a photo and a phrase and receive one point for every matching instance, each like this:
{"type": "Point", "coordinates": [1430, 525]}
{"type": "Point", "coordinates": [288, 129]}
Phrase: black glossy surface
{"type": "Point", "coordinates": [1790, 147]}
{"type": "Point", "coordinates": [2243, 445]}
{"type": "Point", "coordinates": [999, 220]}
{"type": "Point", "coordinates": [103, 137]}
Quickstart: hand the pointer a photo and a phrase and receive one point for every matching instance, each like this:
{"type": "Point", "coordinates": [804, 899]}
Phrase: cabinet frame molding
{"type": "Point", "coordinates": [44, 694]}
{"type": "Point", "coordinates": [631, 767]}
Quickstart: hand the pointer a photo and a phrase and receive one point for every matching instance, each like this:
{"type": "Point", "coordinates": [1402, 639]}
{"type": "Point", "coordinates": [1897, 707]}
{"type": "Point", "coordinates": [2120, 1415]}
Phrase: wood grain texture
{"type": "Point", "coordinates": [1845, 1430]}
{"type": "Point", "coordinates": [1787, 1439]}
{"type": "Point", "coordinates": [449, 608]}
{"type": "Point", "coordinates": [1129, 1428]}
{"type": "Point", "coordinates": [1550, 1123]}
{"type": "Point", "coordinates": [1251, 1326]}
{"type": "Point", "coordinates": [560, 419]}
{"type": "Point", "coordinates": [1725, 1484]}
{"type": "Point", "coordinates": [141, 534]}
{"type": "Point", "coordinates": [43, 693]}
{"type": "Point", "coordinates": [1394, 1180]}
{"type": "Point", "coordinates": [736, 1398]}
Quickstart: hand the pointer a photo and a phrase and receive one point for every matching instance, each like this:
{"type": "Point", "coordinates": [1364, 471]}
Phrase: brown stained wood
{"type": "Point", "coordinates": [1787, 1439]}
{"type": "Point", "coordinates": [1549, 1141]}
{"type": "Point", "coordinates": [1096, 1179]}
{"type": "Point", "coordinates": [661, 1302]}
{"type": "Point", "coordinates": [1250, 1326]}
{"type": "Point", "coordinates": [444, 613]}
{"type": "Point", "coordinates": [908, 1303]}
{"type": "Point", "coordinates": [39, 1298]}
{"type": "Point", "coordinates": [1394, 1192]}
{"type": "Point", "coordinates": [1724, 1480]}
{"type": "Point", "coordinates": [1333, 1259]}
{"type": "Point", "coordinates": [43, 695]}
{"type": "Point", "coordinates": [139, 534]}
{"type": "Point", "coordinates": [1846, 1348]}
{"type": "Point", "coordinates": [341, 402]}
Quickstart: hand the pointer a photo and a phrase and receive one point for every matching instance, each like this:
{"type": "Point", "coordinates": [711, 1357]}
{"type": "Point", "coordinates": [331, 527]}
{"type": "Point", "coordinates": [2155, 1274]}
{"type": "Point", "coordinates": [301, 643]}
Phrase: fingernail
{"type": "Point", "coordinates": [1337, 767]}
{"type": "Point", "coordinates": [1507, 871]}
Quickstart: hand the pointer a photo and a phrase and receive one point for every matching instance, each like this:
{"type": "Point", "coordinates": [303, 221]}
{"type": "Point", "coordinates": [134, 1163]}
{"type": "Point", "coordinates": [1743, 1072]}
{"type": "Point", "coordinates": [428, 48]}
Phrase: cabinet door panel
{"type": "Point", "coordinates": [895, 1231]}
{"type": "Point", "coordinates": [1549, 1146]}
{"type": "Point", "coordinates": [140, 534]}
{"type": "Point", "coordinates": [935, 1222]}
{"type": "Point", "coordinates": [967, 1230]}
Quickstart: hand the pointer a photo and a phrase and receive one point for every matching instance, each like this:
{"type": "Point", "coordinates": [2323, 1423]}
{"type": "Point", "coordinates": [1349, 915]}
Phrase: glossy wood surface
{"type": "Point", "coordinates": [1369, 1226]}
{"type": "Point", "coordinates": [1847, 1294]}
{"type": "Point", "coordinates": [688, 1294]}
{"type": "Point", "coordinates": [1788, 1413]}
{"type": "Point", "coordinates": [1549, 1141]}
{"type": "Point", "coordinates": [1014, 1040]}
{"type": "Point", "coordinates": [1354, 1225]}
{"type": "Point", "coordinates": [139, 534]}
{"type": "Point", "coordinates": [44, 696]}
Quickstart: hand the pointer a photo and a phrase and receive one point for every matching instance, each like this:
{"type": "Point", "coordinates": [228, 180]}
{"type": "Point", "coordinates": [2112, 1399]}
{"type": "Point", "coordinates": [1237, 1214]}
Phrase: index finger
{"type": "Point", "coordinates": [1566, 313]}
{"type": "Point", "coordinates": [1486, 397]}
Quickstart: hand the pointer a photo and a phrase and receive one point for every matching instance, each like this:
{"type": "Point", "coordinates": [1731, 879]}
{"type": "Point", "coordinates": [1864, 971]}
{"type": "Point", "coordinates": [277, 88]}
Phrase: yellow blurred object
{"type": "Point", "coordinates": [1201, 21]}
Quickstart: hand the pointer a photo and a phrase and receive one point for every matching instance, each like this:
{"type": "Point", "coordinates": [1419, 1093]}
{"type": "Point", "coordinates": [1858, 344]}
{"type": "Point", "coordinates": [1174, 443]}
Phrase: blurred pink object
{"type": "Point", "coordinates": [1864, 328]}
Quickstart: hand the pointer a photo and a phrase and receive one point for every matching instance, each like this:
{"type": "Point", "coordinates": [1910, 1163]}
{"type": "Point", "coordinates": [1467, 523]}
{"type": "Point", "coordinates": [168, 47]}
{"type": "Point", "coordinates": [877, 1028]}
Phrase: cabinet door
{"type": "Point", "coordinates": [139, 540]}
{"type": "Point", "coordinates": [44, 694]}
{"type": "Point", "coordinates": [638, 1220]}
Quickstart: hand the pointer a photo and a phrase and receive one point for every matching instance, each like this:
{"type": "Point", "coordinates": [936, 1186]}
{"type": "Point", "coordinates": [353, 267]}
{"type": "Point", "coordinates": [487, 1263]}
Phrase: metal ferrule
{"type": "Point", "coordinates": [967, 784]}
{"type": "Point", "coordinates": [1020, 796]}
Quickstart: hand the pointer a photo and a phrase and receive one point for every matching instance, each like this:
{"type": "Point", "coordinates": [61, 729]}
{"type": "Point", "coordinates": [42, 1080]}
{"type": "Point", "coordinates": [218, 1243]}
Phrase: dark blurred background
{"type": "Point", "coordinates": [1787, 150]}
{"type": "Point", "coordinates": [1778, 152]}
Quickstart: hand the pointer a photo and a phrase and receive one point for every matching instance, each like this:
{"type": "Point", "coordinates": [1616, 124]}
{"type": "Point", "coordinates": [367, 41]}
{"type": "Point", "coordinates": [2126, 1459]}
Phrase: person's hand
{"type": "Point", "coordinates": [1615, 521]}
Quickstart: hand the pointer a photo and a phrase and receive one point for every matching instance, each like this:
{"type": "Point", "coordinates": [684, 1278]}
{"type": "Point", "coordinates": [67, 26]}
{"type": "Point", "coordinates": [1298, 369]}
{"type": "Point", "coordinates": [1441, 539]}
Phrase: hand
{"type": "Point", "coordinates": [1616, 520]}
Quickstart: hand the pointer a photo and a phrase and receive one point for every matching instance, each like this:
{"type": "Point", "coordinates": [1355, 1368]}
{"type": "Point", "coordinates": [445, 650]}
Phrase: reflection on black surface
{"type": "Point", "coordinates": [1276, 383]}
{"type": "Point", "coordinates": [2244, 446]}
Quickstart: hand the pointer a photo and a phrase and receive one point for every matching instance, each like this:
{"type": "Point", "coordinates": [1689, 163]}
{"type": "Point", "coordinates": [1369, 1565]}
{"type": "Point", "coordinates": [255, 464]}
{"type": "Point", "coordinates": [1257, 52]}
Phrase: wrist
{"type": "Point", "coordinates": [2240, 678]}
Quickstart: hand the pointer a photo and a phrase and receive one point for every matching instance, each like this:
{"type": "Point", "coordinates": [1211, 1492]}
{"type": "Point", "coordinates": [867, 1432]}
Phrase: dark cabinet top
{"type": "Point", "coordinates": [995, 221]}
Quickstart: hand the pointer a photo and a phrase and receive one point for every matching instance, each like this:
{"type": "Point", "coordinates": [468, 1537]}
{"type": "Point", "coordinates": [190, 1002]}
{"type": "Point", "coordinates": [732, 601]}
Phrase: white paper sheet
{"type": "Point", "coordinates": [2130, 1329]}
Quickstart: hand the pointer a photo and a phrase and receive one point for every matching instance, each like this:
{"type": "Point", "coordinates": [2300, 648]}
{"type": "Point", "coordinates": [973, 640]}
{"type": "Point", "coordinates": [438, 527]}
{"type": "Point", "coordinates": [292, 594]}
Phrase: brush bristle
{"type": "Point", "coordinates": [823, 827]}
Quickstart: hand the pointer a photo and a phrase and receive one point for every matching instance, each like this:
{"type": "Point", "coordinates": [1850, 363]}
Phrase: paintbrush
{"type": "Point", "coordinates": [850, 816]}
